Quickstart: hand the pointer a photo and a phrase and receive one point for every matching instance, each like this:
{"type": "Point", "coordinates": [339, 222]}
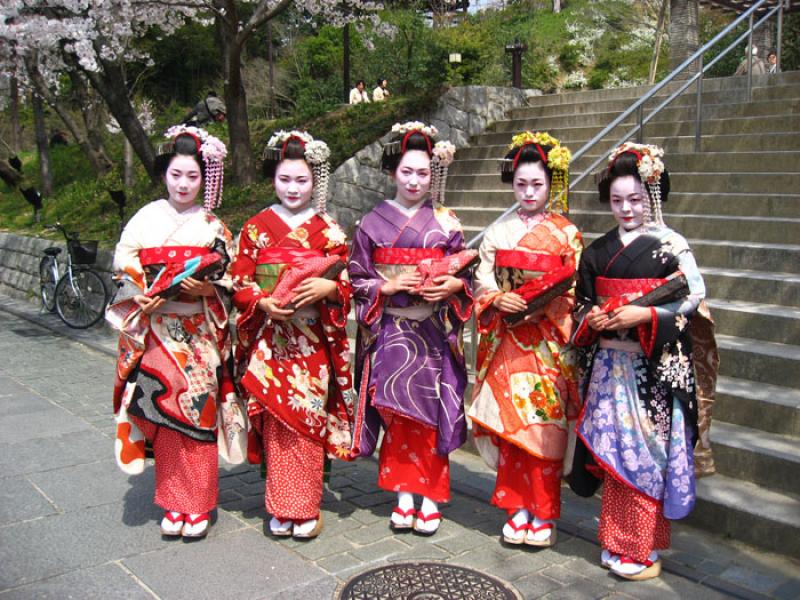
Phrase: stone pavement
{"type": "Point", "coordinates": [73, 525]}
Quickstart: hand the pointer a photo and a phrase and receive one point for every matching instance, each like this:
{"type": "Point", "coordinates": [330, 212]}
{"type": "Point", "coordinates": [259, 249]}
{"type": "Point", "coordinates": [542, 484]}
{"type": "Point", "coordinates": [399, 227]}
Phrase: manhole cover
{"type": "Point", "coordinates": [426, 581]}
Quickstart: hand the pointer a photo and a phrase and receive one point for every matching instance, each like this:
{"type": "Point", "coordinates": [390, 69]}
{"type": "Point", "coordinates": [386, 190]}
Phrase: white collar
{"type": "Point", "coordinates": [626, 237]}
{"type": "Point", "coordinates": [409, 211]}
{"type": "Point", "coordinates": [293, 220]}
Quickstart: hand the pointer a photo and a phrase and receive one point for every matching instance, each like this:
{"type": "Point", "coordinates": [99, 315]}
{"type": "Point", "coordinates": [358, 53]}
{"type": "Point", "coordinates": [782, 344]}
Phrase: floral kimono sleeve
{"type": "Point", "coordinates": [247, 293]}
{"type": "Point", "coordinates": [461, 302]}
{"type": "Point", "coordinates": [486, 288]}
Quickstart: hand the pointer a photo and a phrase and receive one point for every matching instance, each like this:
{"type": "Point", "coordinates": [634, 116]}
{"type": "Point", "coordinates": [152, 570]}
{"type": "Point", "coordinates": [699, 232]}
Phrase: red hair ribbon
{"type": "Point", "coordinates": [519, 153]}
{"type": "Point", "coordinates": [409, 134]}
{"type": "Point", "coordinates": [286, 143]}
{"type": "Point", "coordinates": [636, 153]}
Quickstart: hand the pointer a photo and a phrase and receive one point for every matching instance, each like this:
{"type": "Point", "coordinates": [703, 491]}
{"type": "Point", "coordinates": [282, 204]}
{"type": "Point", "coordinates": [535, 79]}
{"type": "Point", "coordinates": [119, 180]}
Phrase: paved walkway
{"type": "Point", "coordinates": [72, 525]}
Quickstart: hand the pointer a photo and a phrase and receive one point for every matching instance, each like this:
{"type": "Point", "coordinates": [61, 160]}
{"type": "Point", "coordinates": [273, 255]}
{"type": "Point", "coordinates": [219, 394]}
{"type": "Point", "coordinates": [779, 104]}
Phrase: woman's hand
{"type": "Point", "coordinates": [273, 311]}
{"type": "Point", "coordinates": [197, 287]}
{"type": "Point", "coordinates": [446, 286]}
{"type": "Point", "coordinates": [405, 282]}
{"type": "Point", "coordinates": [509, 302]}
{"type": "Point", "coordinates": [597, 319]}
{"type": "Point", "coordinates": [148, 305]}
{"type": "Point", "coordinates": [313, 290]}
{"type": "Point", "coordinates": [627, 316]}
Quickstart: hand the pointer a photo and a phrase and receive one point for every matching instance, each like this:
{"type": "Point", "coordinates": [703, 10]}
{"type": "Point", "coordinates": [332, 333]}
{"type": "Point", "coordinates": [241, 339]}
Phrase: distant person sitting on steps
{"type": "Point", "coordinates": [759, 67]}
{"type": "Point", "coordinates": [358, 94]}
{"type": "Point", "coordinates": [211, 108]}
{"type": "Point", "coordinates": [772, 63]}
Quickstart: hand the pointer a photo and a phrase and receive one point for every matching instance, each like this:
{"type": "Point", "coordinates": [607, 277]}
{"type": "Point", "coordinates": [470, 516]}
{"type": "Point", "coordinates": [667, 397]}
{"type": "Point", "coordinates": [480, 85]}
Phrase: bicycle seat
{"type": "Point", "coordinates": [53, 251]}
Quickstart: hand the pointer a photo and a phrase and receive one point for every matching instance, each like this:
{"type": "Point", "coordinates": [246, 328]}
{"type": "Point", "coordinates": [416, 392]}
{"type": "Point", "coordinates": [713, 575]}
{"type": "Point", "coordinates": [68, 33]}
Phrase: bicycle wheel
{"type": "Point", "coordinates": [48, 277]}
{"type": "Point", "coordinates": [81, 300]}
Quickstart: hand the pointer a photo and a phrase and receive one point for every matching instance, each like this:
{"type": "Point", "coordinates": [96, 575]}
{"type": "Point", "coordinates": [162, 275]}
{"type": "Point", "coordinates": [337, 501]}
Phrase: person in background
{"type": "Point", "coordinates": [772, 63]}
{"type": "Point", "coordinates": [759, 67]}
{"type": "Point", "coordinates": [211, 108]}
{"type": "Point", "coordinates": [358, 94]}
{"type": "Point", "coordinates": [380, 93]}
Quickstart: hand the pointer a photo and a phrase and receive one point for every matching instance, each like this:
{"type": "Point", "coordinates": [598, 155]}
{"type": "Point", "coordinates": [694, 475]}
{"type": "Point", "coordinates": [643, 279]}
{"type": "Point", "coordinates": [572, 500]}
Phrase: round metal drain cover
{"type": "Point", "coordinates": [426, 581]}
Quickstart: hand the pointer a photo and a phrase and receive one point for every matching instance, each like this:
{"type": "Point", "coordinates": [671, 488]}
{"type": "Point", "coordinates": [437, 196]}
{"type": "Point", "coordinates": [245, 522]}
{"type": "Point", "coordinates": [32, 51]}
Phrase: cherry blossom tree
{"type": "Point", "coordinates": [96, 38]}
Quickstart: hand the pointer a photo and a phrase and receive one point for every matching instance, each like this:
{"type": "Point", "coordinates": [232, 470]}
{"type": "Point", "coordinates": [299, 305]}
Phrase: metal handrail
{"type": "Point", "coordinates": [638, 106]}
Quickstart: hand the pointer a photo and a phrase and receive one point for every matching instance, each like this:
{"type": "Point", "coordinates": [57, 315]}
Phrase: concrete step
{"type": "Point", "coordinates": [714, 203]}
{"type": "Point", "coordinates": [775, 142]}
{"type": "Point", "coordinates": [725, 254]}
{"type": "Point", "coordinates": [780, 92]}
{"type": "Point", "coordinates": [749, 513]}
{"type": "Point", "coordinates": [739, 125]}
{"type": "Point", "coordinates": [698, 182]}
{"type": "Point", "coordinates": [759, 361]}
{"type": "Point", "coordinates": [762, 229]}
{"type": "Point", "coordinates": [762, 406]}
{"type": "Point", "coordinates": [752, 286]}
{"type": "Point", "coordinates": [709, 85]}
{"type": "Point", "coordinates": [767, 322]}
{"type": "Point", "coordinates": [786, 161]}
{"type": "Point", "coordinates": [705, 226]}
{"type": "Point", "coordinates": [766, 459]}
{"type": "Point", "coordinates": [684, 112]}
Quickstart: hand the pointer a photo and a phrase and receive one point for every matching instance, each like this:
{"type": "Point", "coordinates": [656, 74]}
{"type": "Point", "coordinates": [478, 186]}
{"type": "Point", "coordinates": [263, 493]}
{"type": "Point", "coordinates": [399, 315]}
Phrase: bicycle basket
{"type": "Point", "coordinates": [83, 252]}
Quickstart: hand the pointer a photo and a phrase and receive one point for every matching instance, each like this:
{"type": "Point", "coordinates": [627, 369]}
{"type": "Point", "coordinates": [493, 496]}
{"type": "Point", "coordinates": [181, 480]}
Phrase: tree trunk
{"type": "Point", "coordinates": [662, 12]}
{"type": "Point", "coordinates": [556, 6]}
{"type": "Point", "coordinates": [16, 136]}
{"type": "Point", "coordinates": [684, 34]}
{"type": "Point", "coordinates": [271, 59]}
{"type": "Point", "coordinates": [100, 163]}
{"type": "Point", "coordinates": [346, 62]}
{"type": "Point", "coordinates": [92, 115]}
{"type": "Point", "coordinates": [127, 165]}
{"type": "Point", "coordinates": [241, 150]}
{"type": "Point", "coordinates": [110, 84]}
{"type": "Point", "coordinates": [45, 171]}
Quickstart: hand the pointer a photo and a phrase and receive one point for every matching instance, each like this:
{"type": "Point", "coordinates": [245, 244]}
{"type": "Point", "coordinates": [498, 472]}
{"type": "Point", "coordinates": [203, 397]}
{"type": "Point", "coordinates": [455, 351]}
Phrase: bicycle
{"type": "Point", "coordinates": [80, 295]}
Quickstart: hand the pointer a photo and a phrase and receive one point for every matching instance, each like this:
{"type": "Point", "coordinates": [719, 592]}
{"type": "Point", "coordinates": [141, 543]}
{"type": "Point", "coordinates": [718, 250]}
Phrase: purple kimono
{"type": "Point", "coordinates": [410, 358]}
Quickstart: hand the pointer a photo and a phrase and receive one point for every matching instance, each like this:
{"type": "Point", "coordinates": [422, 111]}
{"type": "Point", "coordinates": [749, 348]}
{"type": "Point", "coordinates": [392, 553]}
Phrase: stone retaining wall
{"type": "Point", "coordinates": [19, 264]}
{"type": "Point", "coordinates": [461, 113]}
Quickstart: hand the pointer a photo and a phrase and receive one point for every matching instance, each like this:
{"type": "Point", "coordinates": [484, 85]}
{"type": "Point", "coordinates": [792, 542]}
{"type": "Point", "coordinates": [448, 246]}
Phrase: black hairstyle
{"type": "Point", "coordinates": [772, 52]}
{"type": "Point", "coordinates": [381, 80]}
{"type": "Point", "coordinates": [529, 153]}
{"type": "Point", "coordinates": [626, 165]}
{"type": "Point", "coordinates": [186, 145]}
{"type": "Point", "coordinates": [361, 82]}
{"type": "Point", "coordinates": [211, 93]}
{"type": "Point", "coordinates": [293, 150]}
{"type": "Point", "coordinates": [416, 141]}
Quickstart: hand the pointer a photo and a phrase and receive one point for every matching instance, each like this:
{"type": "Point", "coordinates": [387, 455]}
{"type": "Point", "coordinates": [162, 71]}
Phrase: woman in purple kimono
{"type": "Point", "coordinates": [410, 369]}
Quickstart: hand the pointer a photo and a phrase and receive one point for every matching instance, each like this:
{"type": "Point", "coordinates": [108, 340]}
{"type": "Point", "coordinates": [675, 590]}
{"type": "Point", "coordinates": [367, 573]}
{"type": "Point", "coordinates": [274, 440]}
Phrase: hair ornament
{"type": "Point", "coordinates": [650, 168]}
{"type": "Point", "coordinates": [315, 152]}
{"type": "Point", "coordinates": [442, 152]}
{"type": "Point", "coordinates": [212, 150]}
{"type": "Point", "coordinates": [557, 160]}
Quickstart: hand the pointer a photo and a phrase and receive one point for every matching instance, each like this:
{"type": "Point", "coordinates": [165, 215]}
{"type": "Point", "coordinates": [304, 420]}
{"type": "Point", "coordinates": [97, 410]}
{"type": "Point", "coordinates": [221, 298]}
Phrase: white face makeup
{"type": "Point", "coordinates": [184, 180]}
{"type": "Point", "coordinates": [531, 187]}
{"type": "Point", "coordinates": [627, 198]}
{"type": "Point", "coordinates": [294, 184]}
{"type": "Point", "coordinates": [413, 177]}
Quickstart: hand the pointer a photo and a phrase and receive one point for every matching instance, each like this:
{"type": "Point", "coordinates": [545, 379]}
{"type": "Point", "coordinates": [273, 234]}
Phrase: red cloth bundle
{"type": "Point", "coordinates": [328, 267]}
{"type": "Point", "coordinates": [453, 264]}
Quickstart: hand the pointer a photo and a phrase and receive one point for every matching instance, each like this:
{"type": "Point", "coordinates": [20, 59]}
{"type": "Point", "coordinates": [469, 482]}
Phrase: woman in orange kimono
{"type": "Point", "coordinates": [525, 392]}
{"type": "Point", "coordinates": [295, 358]}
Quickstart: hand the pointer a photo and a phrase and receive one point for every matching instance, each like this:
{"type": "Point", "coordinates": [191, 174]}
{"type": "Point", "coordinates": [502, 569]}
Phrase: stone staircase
{"type": "Point", "coordinates": [738, 203]}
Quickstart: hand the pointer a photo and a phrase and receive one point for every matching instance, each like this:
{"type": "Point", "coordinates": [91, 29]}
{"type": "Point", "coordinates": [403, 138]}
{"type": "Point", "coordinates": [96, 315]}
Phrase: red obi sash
{"type": "Point", "coordinates": [282, 255]}
{"type": "Point", "coordinates": [613, 293]}
{"type": "Point", "coordinates": [163, 255]}
{"type": "Point", "coordinates": [404, 256]}
{"type": "Point", "coordinates": [527, 261]}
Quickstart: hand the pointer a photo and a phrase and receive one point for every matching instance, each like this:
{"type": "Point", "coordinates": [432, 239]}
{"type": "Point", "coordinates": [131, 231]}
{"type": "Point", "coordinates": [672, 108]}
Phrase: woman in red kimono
{"type": "Point", "coordinates": [295, 357]}
{"type": "Point", "coordinates": [172, 385]}
{"type": "Point", "coordinates": [525, 391]}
